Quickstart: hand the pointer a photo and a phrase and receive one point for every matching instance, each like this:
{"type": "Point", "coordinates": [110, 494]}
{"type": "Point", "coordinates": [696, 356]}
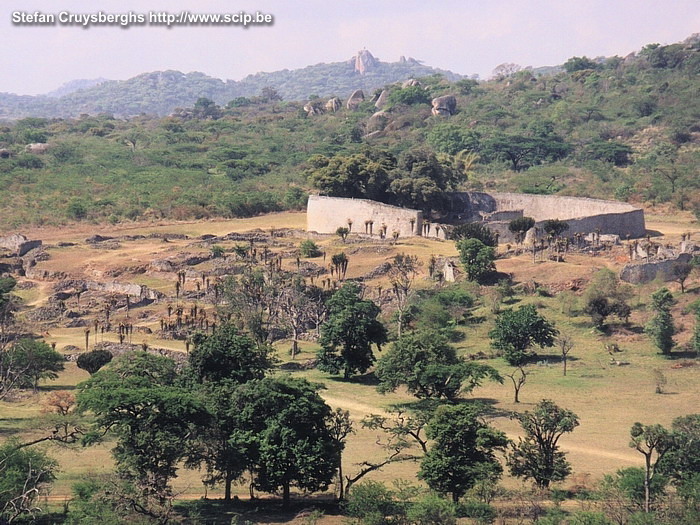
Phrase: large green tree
{"type": "Point", "coordinates": [537, 455]}
{"type": "Point", "coordinates": [349, 333]}
{"type": "Point", "coordinates": [429, 367]}
{"type": "Point", "coordinates": [218, 364]}
{"type": "Point", "coordinates": [363, 175]}
{"type": "Point", "coordinates": [463, 450]}
{"type": "Point", "coordinates": [138, 399]}
{"type": "Point", "coordinates": [517, 331]}
{"type": "Point", "coordinates": [32, 360]}
{"type": "Point", "coordinates": [682, 462]}
{"type": "Point", "coordinates": [228, 354]}
{"type": "Point", "coordinates": [283, 426]}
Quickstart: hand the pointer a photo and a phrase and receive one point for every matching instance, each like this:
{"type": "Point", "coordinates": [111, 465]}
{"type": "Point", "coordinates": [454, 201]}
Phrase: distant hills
{"type": "Point", "coordinates": [160, 92]}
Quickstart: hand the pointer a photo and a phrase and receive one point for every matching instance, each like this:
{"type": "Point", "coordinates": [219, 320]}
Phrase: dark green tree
{"type": "Point", "coordinates": [421, 180]}
{"type": "Point", "coordinates": [661, 328]}
{"type": "Point", "coordinates": [363, 175]}
{"type": "Point", "coordinates": [91, 362]}
{"type": "Point", "coordinates": [348, 334]}
{"type": "Point", "coordinates": [580, 63]}
{"type": "Point", "coordinates": [523, 151]}
{"type": "Point", "coordinates": [283, 426]}
{"type": "Point", "coordinates": [537, 455]}
{"type": "Point", "coordinates": [35, 360]}
{"type": "Point", "coordinates": [429, 367]}
{"type": "Point", "coordinates": [517, 331]}
{"type": "Point", "coordinates": [409, 96]}
{"type": "Point", "coordinates": [605, 296]}
{"type": "Point", "coordinates": [682, 461]}
{"type": "Point", "coordinates": [555, 227]}
{"type": "Point", "coordinates": [463, 450]}
{"type": "Point", "coordinates": [228, 354]}
{"type": "Point", "coordinates": [477, 258]}
{"type": "Point", "coordinates": [520, 227]}
{"type": "Point", "coordinates": [474, 230]}
{"type": "Point", "coordinates": [138, 400]}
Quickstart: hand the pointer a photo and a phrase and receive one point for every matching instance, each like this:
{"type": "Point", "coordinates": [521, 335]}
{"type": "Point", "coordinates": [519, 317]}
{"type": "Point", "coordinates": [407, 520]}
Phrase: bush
{"type": "Point", "coordinates": [432, 510]}
{"type": "Point", "coordinates": [308, 249]}
{"type": "Point", "coordinates": [77, 209]}
{"type": "Point", "coordinates": [91, 362]}
{"type": "Point", "coordinates": [477, 510]}
{"type": "Point", "coordinates": [371, 502]}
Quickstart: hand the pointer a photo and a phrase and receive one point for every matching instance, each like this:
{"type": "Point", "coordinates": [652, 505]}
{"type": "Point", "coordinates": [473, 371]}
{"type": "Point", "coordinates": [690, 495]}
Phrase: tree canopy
{"type": "Point", "coordinates": [516, 331]}
{"type": "Point", "coordinates": [463, 451]}
{"type": "Point", "coordinates": [349, 333]}
{"type": "Point", "coordinates": [429, 367]}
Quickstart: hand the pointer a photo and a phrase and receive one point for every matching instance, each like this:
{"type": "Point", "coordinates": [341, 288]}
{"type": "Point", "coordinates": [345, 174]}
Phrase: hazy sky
{"type": "Point", "coordinates": [467, 36]}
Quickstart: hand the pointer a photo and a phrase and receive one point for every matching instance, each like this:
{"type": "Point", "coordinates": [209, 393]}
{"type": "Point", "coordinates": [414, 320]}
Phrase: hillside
{"type": "Point", "coordinates": [626, 129]}
{"type": "Point", "coordinates": [160, 92]}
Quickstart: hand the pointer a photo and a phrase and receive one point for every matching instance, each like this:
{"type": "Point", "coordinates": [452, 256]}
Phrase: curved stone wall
{"type": "Point", "coordinates": [326, 214]}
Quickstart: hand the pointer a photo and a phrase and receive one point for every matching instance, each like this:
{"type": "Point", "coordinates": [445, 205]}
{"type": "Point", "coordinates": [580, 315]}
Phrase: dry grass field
{"type": "Point", "coordinates": [607, 398]}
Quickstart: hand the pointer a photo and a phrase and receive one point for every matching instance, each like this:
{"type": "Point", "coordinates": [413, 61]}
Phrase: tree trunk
{"type": "Point", "coordinates": [564, 359]}
{"type": "Point", "coordinates": [647, 479]}
{"type": "Point", "coordinates": [285, 495]}
{"type": "Point", "coordinates": [227, 488]}
{"type": "Point", "coordinates": [341, 491]}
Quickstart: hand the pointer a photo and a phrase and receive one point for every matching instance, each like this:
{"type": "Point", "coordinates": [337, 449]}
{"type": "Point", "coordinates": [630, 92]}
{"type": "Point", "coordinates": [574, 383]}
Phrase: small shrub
{"type": "Point", "coordinates": [371, 502]}
{"type": "Point", "coordinates": [432, 510]}
{"type": "Point", "coordinates": [308, 249]}
{"type": "Point", "coordinates": [477, 510]}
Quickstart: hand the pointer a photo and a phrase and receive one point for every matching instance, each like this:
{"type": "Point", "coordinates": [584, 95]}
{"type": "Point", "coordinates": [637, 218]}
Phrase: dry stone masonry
{"type": "Point", "coordinates": [327, 214]}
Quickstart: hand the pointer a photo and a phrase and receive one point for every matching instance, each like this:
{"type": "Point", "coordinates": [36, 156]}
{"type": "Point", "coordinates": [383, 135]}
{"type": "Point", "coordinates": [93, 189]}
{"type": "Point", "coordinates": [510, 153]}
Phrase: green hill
{"type": "Point", "coordinates": [160, 92]}
{"type": "Point", "coordinates": [618, 128]}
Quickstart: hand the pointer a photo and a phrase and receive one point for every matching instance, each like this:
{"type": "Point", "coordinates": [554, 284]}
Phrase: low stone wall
{"type": "Point", "coordinates": [647, 272]}
{"type": "Point", "coordinates": [327, 214]}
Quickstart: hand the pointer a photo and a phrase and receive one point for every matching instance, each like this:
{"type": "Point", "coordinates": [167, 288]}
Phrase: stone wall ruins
{"type": "Point", "coordinates": [327, 214]}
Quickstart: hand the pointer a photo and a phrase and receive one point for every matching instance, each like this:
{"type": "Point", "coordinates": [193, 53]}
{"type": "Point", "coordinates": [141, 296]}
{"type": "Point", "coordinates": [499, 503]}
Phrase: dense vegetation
{"type": "Point", "coordinates": [623, 128]}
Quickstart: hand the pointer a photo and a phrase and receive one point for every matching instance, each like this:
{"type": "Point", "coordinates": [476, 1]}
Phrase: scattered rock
{"type": "Point", "coordinates": [444, 106]}
{"type": "Point", "coordinates": [410, 83]}
{"type": "Point", "coordinates": [355, 99]}
{"type": "Point", "coordinates": [312, 108]}
{"type": "Point", "coordinates": [382, 100]}
{"type": "Point", "coordinates": [18, 244]}
{"type": "Point", "coordinates": [333, 105]}
{"type": "Point", "coordinates": [38, 148]}
{"type": "Point", "coordinates": [97, 238]}
{"type": "Point", "coordinates": [377, 122]}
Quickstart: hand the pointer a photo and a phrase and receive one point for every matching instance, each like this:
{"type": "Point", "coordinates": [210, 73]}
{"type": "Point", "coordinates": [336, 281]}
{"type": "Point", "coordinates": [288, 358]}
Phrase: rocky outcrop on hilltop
{"type": "Point", "coordinates": [364, 61]}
